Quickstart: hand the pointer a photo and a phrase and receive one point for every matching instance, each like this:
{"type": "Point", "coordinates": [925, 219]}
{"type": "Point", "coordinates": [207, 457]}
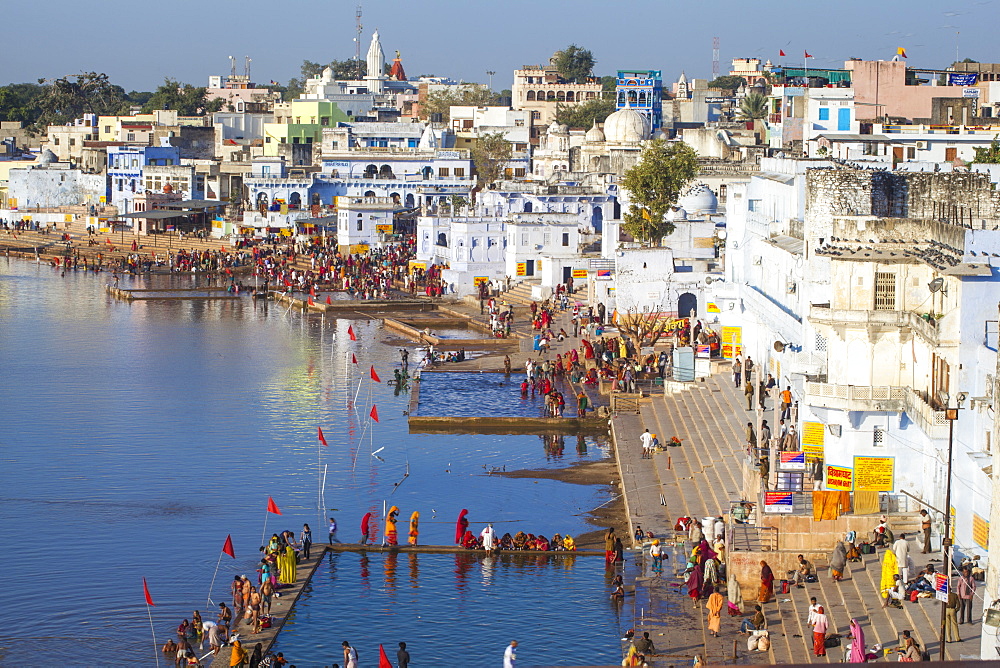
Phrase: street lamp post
{"type": "Point", "coordinates": [951, 414]}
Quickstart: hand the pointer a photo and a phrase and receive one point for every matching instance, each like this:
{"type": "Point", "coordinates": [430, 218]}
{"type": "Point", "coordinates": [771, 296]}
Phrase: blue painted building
{"type": "Point", "coordinates": [642, 91]}
{"type": "Point", "coordinates": [125, 170]}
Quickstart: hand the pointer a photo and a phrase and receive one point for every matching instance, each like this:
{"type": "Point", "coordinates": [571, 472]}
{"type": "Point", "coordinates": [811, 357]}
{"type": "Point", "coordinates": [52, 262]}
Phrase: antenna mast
{"type": "Point", "coordinates": [357, 41]}
{"type": "Point", "coordinates": [715, 57]}
{"type": "Point", "coordinates": [246, 68]}
{"type": "Point", "coordinates": [232, 66]}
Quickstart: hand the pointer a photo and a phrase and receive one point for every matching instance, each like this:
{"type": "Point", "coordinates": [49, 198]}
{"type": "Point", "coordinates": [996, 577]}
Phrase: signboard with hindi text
{"type": "Point", "coordinates": [812, 438]}
{"type": "Point", "coordinates": [941, 587]}
{"type": "Point", "coordinates": [579, 273]}
{"type": "Point", "coordinates": [479, 280]}
{"type": "Point", "coordinates": [874, 474]}
{"type": "Point", "coordinates": [417, 265]}
{"type": "Point", "coordinates": [384, 229]}
{"type": "Point", "coordinates": [980, 531]}
{"type": "Point", "coordinates": [839, 478]}
{"type": "Point", "coordinates": [732, 342]}
{"type": "Point", "coordinates": [522, 268]}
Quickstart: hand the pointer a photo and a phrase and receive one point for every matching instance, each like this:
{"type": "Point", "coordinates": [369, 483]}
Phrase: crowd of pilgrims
{"type": "Point", "coordinates": [251, 607]}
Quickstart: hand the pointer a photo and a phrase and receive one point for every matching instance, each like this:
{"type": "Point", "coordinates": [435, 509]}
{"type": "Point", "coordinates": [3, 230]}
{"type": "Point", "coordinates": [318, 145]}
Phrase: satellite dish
{"type": "Point", "coordinates": [779, 347]}
{"type": "Point", "coordinates": [721, 234]}
{"type": "Point", "coordinates": [936, 285]}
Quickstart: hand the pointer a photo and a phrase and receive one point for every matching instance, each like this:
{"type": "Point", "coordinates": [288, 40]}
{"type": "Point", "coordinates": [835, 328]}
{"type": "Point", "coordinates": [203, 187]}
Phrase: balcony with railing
{"type": "Point", "coordinates": [923, 326]}
{"type": "Point", "coordinates": [879, 398]}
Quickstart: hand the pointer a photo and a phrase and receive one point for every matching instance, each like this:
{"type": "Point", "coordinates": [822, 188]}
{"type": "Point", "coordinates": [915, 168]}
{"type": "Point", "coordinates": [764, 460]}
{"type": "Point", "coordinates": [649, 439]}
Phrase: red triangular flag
{"type": "Point", "coordinates": [328, 300]}
{"type": "Point", "coordinates": [781, 52]}
{"type": "Point", "coordinates": [311, 301]}
{"type": "Point", "coordinates": [807, 54]}
{"type": "Point", "coordinates": [383, 660]}
{"type": "Point", "coordinates": [350, 332]}
{"type": "Point", "coordinates": [374, 413]}
{"type": "Point", "coordinates": [312, 290]}
{"type": "Point", "coordinates": [322, 439]}
{"type": "Point", "coordinates": [272, 507]}
{"type": "Point", "coordinates": [375, 375]}
{"type": "Point", "coordinates": [145, 590]}
{"type": "Point", "coordinates": [354, 360]}
{"type": "Point", "coordinates": [228, 547]}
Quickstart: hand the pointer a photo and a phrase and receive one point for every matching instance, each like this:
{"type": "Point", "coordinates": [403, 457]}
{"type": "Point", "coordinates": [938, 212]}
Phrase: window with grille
{"type": "Point", "coordinates": [878, 437]}
{"type": "Point", "coordinates": [885, 291]}
{"type": "Point", "coordinates": [820, 343]}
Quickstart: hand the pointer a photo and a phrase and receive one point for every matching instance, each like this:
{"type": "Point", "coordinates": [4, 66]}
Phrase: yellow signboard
{"type": "Point", "coordinates": [479, 280]}
{"type": "Point", "coordinates": [730, 351]}
{"type": "Point", "coordinates": [522, 268]}
{"type": "Point", "coordinates": [732, 340]}
{"type": "Point", "coordinates": [874, 474]}
{"type": "Point", "coordinates": [358, 249]}
{"type": "Point", "coordinates": [104, 199]}
{"type": "Point", "coordinates": [839, 478]}
{"type": "Point", "coordinates": [417, 265]}
{"type": "Point", "coordinates": [980, 531]}
{"type": "Point", "coordinates": [11, 202]}
{"type": "Point", "coordinates": [384, 229]}
{"type": "Point", "coordinates": [711, 307]}
{"type": "Point", "coordinates": [68, 218]}
{"type": "Point", "coordinates": [579, 273]}
{"type": "Point", "coordinates": [812, 439]}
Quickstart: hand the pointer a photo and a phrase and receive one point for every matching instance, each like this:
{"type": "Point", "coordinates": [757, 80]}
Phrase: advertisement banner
{"type": "Point", "coordinates": [839, 478]}
{"type": "Point", "coordinates": [731, 351]}
{"type": "Point", "coordinates": [874, 474]}
{"type": "Point", "coordinates": [479, 280]}
{"type": "Point", "coordinates": [732, 342]}
{"type": "Point", "coordinates": [980, 531]}
{"type": "Point", "coordinates": [963, 78]}
{"type": "Point", "coordinates": [941, 587]}
{"type": "Point", "coordinates": [384, 229]}
{"type": "Point", "coordinates": [792, 461]}
{"type": "Point", "coordinates": [812, 438]}
{"type": "Point", "coordinates": [711, 307]}
{"type": "Point", "coordinates": [604, 274]}
{"type": "Point", "coordinates": [522, 268]}
{"type": "Point", "coordinates": [579, 273]}
{"type": "Point", "coordinates": [418, 265]}
{"type": "Point", "coordinates": [778, 502]}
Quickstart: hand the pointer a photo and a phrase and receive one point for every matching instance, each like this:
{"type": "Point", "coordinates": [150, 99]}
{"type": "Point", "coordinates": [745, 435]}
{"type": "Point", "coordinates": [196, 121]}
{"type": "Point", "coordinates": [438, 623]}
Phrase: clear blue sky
{"type": "Point", "coordinates": [139, 43]}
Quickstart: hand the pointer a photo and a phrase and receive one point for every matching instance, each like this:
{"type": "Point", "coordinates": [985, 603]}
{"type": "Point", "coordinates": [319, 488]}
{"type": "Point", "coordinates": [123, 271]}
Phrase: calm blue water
{"type": "Point", "coordinates": [456, 610]}
{"type": "Point", "coordinates": [137, 436]}
{"type": "Point", "coordinates": [464, 394]}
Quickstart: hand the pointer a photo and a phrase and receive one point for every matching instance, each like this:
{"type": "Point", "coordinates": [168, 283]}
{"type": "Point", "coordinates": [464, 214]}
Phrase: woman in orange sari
{"type": "Point", "coordinates": [714, 606]}
{"type": "Point", "coordinates": [414, 527]}
{"type": "Point", "coordinates": [766, 583]}
{"type": "Point", "coordinates": [390, 526]}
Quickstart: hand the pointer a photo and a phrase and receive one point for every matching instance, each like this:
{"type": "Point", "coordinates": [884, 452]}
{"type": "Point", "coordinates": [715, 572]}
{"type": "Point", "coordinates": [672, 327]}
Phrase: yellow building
{"type": "Point", "coordinates": [300, 122]}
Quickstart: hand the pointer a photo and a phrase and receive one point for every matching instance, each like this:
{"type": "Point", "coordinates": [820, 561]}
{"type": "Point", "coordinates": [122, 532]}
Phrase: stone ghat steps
{"type": "Point", "coordinates": [856, 597]}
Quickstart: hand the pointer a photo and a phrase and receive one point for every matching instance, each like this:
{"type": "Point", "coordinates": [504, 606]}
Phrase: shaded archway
{"type": "Point", "coordinates": [409, 201]}
{"type": "Point", "coordinates": [597, 219]}
{"type": "Point", "coordinates": [687, 305]}
{"type": "Point", "coordinates": [295, 201]}
{"type": "Point", "coordinates": [371, 171]}
{"type": "Point", "coordinates": [569, 96]}
{"type": "Point", "coordinates": [531, 96]}
{"type": "Point", "coordinates": [427, 172]}
{"type": "Point", "coordinates": [395, 198]}
{"type": "Point", "coordinates": [370, 194]}
{"type": "Point", "coordinates": [527, 207]}
{"type": "Point", "coordinates": [385, 172]}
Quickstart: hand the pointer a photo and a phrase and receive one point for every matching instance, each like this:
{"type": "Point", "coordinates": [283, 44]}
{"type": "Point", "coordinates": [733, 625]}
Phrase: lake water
{"type": "Point", "coordinates": [137, 436]}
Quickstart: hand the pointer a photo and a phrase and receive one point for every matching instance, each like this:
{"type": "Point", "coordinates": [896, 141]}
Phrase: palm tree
{"type": "Point", "coordinates": [753, 107]}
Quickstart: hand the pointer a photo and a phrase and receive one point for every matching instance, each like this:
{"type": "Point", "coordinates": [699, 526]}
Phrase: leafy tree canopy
{"type": "Point", "coordinates": [609, 84]}
{"type": "Point", "coordinates": [573, 63]}
{"type": "Point", "coordinates": [990, 154]}
{"type": "Point", "coordinates": [68, 98]}
{"type": "Point", "coordinates": [441, 101]}
{"type": "Point", "coordinates": [186, 99]}
{"type": "Point", "coordinates": [490, 155]}
{"type": "Point", "coordinates": [584, 115]}
{"type": "Point", "coordinates": [727, 82]}
{"type": "Point", "coordinates": [654, 184]}
{"type": "Point", "coordinates": [753, 107]}
{"type": "Point", "coordinates": [20, 102]}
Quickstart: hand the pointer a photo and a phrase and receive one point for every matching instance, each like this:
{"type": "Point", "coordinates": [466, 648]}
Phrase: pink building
{"type": "Point", "coordinates": [880, 89]}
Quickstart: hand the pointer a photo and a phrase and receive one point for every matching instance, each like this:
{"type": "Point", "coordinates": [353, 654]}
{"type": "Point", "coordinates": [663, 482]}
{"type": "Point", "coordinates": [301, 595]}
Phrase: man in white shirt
{"type": "Point", "coordinates": [510, 655]}
{"type": "Point", "coordinates": [647, 444]}
{"type": "Point", "coordinates": [902, 550]}
{"type": "Point", "coordinates": [813, 611]}
{"type": "Point", "coordinates": [487, 535]}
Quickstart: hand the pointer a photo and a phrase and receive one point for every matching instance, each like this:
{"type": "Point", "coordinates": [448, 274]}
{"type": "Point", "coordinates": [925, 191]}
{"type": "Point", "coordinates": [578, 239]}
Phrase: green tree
{"type": "Point", "coordinates": [729, 82]}
{"type": "Point", "coordinates": [469, 95]}
{"type": "Point", "coordinates": [573, 63]}
{"type": "Point", "coordinates": [752, 107]}
{"type": "Point", "coordinates": [490, 155]}
{"type": "Point", "coordinates": [139, 97]}
{"type": "Point", "coordinates": [186, 99]}
{"type": "Point", "coordinates": [991, 154]}
{"type": "Point", "coordinates": [19, 103]}
{"type": "Point", "coordinates": [654, 184]}
{"type": "Point", "coordinates": [68, 98]}
{"type": "Point", "coordinates": [609, 84]}
{"type": "Point", "coordinates": [584, 115]}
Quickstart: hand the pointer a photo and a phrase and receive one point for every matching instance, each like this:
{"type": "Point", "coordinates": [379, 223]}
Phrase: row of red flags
{"type": "Point", "coordinates": [272, 507]}
{"type": "Point", "coordinates": [805, 53]}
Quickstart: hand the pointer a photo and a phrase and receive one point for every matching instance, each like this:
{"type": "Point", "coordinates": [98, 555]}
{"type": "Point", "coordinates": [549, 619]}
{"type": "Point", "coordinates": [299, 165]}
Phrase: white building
{"type": "Point", "coordinates": [547, 247]}
{"type": "Point", "coordinates": [363, 222]}
{"type": "Point", "coordinates": [49, 183]}
{"type": "Point", "coordinates": [471, 246]}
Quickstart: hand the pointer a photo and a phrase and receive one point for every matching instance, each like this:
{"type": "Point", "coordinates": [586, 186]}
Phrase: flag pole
{"type": "Point", "coordinates": [264, 532]}
{"type": "Point", "coordinates": [156, 648]}
{"type": "Point", "coordinates": [208, 603]}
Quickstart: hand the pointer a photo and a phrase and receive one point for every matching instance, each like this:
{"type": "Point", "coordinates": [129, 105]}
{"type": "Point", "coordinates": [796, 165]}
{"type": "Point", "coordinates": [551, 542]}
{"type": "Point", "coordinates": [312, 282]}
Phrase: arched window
{"type": "Point", "coordinates": [531, 96]}
{"type": "Point", "coordinates": [560, 96]}
{"type": "Point", "coordinates": [570, 96]}
{"type": "Point", "coordinates": [409, 200]}
{"type": "Point", "coordinates": [361, 223]}
{"type": "Point", "coordinates": [527, 207]}
{"type": "Point", "coordinates": [371, 171]}
{"type": "Point", "coordinates": [427, 171]}
{"type": "Point", "coordinates": [294, 201]}
{"type": "Point", "coordinates": [591, 95]}
{"type": "Point", "coordinates": [395, 198]}
{"type": "Point", "coordinates": [386, 172]}
{"type": "Point", "coordinates": [642, 99]}
{"type": "Point", "coordinates": [621, 98]}
{"type": "Point", "coordinates": [370, 194]}
{"type": "Point", "coordinates": [540, 96]}
{"type": "Point", "coordinates": [631, 98]}
{"type": "Point", "coordinates": [551, 96]}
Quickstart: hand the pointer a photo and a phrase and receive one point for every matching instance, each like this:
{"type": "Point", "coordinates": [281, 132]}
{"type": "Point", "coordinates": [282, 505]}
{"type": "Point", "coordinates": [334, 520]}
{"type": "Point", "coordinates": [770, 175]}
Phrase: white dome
{"type": "Point", "coordinates": [327, 74]}
{"type": "Point", "coordinates": [594, 135]}
{"type": "Point", "coordinates": [47, 157]}
{"type": "Point", "coordinates": [626, 126]}
{"type": "Point", "coordinates": [699, 198]}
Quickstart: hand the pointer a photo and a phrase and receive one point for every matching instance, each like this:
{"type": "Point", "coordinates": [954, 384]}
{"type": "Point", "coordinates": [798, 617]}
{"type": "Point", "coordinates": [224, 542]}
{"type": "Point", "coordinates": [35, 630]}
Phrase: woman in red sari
{"type": "Point", "coordinates": [766, 583]}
